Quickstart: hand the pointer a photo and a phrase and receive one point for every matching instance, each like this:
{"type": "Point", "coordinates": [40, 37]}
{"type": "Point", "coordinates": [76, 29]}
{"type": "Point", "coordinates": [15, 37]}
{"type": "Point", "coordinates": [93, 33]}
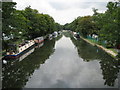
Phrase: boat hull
{"type": "Point", "coordinates": [18, 54]}
{"type": "Point", "coordinates": [38, 40]}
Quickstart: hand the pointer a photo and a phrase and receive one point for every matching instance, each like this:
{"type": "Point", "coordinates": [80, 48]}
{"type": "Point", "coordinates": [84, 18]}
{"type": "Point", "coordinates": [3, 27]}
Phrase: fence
{"type": "Point", "coordinates": [96, 40]}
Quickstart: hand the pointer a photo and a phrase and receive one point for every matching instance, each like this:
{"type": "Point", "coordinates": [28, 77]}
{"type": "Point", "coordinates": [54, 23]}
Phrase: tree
{"type": "Point", "coordinates": [8, 9]}
{"type": "Point", "coordinates": [110, 25]}
{"type": "Point", "coordinates": [85, 25]}
{"type": "Point", "coordinates": [95, 11]}
{"type": "Point", "coordinates": [31, 16]}
{"type": "Point", "coordinates": [67, 26]}
{"type": "Point", "coordinates": [58, 27]}
{"type": "Point", "coordinates": [20, 24]}
{"type": "Point", "coordinates": [25, 24]}
{"type": "Point", "coordinates": [106, 25]}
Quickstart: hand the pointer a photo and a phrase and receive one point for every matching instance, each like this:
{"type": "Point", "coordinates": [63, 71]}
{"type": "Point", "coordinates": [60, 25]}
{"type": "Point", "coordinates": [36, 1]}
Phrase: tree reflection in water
{"type": "Point", "coordinates": [109, 66]}
{"type": "Point", "coordinates": [16, 73]}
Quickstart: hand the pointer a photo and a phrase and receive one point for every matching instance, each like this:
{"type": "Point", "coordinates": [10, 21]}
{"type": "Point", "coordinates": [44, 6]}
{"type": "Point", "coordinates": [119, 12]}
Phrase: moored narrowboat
{"type": "Point", "coordinates": [76, 35]}
{"type": "Point", "coordinates": [39, 45]}
{"type": "Point", "coordinates": [15, 51]}
{"type": "Point", "coordinates": [50, 36]}
{"type": "Point", "coordinates": [55, 34]}
{"type": "Point", "coordinates": [26, 54]}
{"type": "Point", "coordinates": [39, 40]}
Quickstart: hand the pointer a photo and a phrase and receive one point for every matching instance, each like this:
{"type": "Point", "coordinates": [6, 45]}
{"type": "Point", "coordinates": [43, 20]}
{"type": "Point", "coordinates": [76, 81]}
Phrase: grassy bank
{"type": "Point", "coordinates": [110, 51]}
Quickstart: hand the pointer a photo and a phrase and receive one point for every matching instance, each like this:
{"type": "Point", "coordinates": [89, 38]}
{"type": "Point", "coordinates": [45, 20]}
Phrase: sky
{"type": "Point", "coordinates": [64, 11]}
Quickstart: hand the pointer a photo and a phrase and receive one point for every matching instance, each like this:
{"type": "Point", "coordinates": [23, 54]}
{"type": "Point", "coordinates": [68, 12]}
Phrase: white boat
{"type": "Point", "coordinates": [55, 34]}
{"type": "Point", "coordinates": [39, 39]}
{"type": "Point", "coordinates": [76, 35]}
{"type": "Point", "coordinates": [39, 45]}
{"type": "Point", "coordinates": [15, 51]}
{"type": "Point", "coordinates": [50, 36]}
{"type": "Point", "coordinates": [26, 54]}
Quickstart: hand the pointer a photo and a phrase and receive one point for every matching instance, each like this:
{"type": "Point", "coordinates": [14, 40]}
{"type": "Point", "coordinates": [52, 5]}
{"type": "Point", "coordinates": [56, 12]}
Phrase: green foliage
{"type": "Point", "coordinates": [58, 27]}
{"type": "Point", "coordinates": [39, 24]}
{"type": "Point", "coordinates": [95, 11]}
{"type": "Point", "coordinates": [8, 9]}
{"type": "Point", "coordinates": [105, 25]}
{"type": "Point", "coordinates": [67, 26]}
{"type": "Point", "coordinates": [85, 25]}
{"type": "Point", "coordinates": [110, 24]}
{"type": "Point", "coordinates": [25, 24]}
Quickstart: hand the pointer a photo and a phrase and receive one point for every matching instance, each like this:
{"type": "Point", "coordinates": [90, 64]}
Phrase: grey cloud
{"type": "Point", "coordinates": [59, 6]}
{"type": "Point", "coordinates": [97, 5]}
{"type": "Point", "coordinates": [63, 6]}
{"type": "Point", "coordinates": [78, 5]}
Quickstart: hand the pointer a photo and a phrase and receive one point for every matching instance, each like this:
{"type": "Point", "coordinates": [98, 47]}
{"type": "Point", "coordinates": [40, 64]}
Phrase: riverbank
{"type": "Point", "coordinates": [110, 52]}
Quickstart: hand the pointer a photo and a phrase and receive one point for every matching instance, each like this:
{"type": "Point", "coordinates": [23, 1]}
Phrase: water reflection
{"type": "Point", "coordinates": [59, 37]}
{"type": "Point", "coordinates": [17, 72]}
{"type": "Point", "coordinates": [62, 62]}
{"type": "Point", "coordinates": [110, 70]}
{"type": "Point", "coordinates": [65, 69]}
{"type": "Point", "coordinates": [109, 66]}
{"type": "Point", "coordinates": [40, 45]}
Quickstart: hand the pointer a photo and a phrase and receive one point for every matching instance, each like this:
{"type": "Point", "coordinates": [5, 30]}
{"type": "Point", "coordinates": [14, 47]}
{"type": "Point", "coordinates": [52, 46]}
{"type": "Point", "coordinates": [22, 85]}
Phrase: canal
{"type": "Point", "coordinates": [62, 62]}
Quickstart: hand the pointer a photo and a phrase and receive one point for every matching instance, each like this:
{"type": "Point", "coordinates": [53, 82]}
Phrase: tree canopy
{"type": "Point", "coordinates": [25, 24]}
{"type": "Point", "coordinates": [105, 25]}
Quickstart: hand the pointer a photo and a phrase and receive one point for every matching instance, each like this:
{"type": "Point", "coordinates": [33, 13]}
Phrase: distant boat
{"type": "Point", "coordinates": [55, 34]}
{"type": "Point", "coordinates": [76, 35]}
{"type": "Point", "coordinates": [39, 40]}
{"type": "Point", "coordinates": [50, 36]}
{"type": "Point", "coordinates": [15, 51]}
{"type": "Point", "coordinates": [59, 32]}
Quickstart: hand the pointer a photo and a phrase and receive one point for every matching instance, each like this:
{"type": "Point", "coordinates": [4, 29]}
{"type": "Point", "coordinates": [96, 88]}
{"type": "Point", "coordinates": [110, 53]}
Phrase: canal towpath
{"type": "Point", "coordinates": [113, 54]}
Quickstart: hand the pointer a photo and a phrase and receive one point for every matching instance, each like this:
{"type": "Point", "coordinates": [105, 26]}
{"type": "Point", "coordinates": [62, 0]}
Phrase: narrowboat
{"type": "Point", "coordinates": [76, 35]}
{"type": "Point", "coordinates": [55, 34]}
{"type": "Point", "coordinates": [59, 32]}
{"type": "Point", "coordinates": [39, 40]}
{"type": "Point", "coordinates": [16, 51]}
{"type": "Point", "coordinates": [26, 54]}
{"type": "Point", "coordinates": [39, 45]}
{"type": "Point", "coordinates": [50, 36]}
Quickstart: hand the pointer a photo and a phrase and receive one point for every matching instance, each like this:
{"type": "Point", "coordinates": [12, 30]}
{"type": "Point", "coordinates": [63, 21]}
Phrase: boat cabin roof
{"type": "Point", "coordinates": [39, 38]}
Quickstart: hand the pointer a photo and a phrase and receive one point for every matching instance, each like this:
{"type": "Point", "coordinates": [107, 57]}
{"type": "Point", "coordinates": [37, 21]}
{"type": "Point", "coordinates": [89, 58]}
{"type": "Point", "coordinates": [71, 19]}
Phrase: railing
{"type": "Point", "coordinates": [96, 40]}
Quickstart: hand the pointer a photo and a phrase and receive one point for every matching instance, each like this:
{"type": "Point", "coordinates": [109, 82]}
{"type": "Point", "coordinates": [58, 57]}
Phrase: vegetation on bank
{"type": "Point", "coordinates": [105, 25]}
{"type": "Point", "coordinates": [20, 25]}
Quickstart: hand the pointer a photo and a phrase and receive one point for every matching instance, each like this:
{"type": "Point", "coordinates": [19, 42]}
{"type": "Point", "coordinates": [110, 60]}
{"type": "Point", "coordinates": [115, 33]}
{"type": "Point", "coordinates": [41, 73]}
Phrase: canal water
{"type": "Point", "coordinates": [63, 62]}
